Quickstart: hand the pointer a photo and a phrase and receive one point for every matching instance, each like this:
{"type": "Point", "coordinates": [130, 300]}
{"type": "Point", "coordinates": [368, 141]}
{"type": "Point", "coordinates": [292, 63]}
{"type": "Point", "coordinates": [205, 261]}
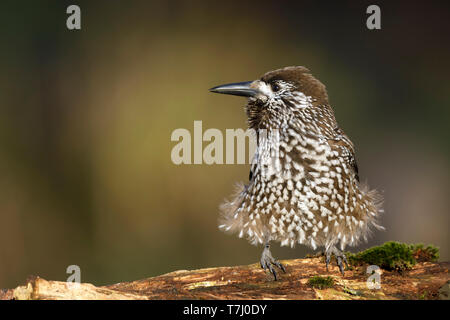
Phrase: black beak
{"type": "Point", "coordinates": [238, 89]}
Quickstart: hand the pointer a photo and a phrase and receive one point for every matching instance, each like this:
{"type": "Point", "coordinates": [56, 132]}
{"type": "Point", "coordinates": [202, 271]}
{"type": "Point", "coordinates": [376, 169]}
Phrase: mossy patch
{"type": "Point", "coordinates": [395, 256]}
{"type": "Point", "coordinates": [319, 282]}
{"type": "Point", "coordinates": [421, 253]}
{"type": "Point", "coordinates": [315, 255]}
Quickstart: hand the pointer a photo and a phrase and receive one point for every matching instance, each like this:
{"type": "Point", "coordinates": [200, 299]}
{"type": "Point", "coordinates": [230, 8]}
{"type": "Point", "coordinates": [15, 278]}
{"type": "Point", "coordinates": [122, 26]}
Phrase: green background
{"type": "Point", "coordinates": [86, 119]}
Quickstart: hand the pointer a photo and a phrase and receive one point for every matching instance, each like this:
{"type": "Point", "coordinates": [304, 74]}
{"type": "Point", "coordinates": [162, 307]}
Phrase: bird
{"type": "Point", "coordinates": [304, 183]}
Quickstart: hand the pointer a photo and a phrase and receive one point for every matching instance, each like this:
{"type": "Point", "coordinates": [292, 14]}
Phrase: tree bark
{"type": "Point", "coordinates": [425, 280]}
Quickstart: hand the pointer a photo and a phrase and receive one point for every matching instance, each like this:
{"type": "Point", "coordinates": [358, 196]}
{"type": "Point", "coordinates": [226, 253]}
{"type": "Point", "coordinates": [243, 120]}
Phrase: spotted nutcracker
{"type": "Point", "coordinates": [303, 186]}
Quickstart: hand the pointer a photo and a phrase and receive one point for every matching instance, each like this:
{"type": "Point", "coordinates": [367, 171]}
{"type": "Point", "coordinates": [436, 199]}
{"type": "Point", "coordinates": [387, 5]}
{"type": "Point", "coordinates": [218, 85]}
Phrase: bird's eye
{"type": "Point", "coordinates": [275, 87]}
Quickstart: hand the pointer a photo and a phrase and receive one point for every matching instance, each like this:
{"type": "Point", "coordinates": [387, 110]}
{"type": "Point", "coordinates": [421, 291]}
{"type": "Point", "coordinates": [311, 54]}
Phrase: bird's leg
{"type": "Point", "coordinates": [327, 258]}
{"type": "Point", "coordinates": [267, 261]}
{"type": "Point", "coordinates": [340, 256]}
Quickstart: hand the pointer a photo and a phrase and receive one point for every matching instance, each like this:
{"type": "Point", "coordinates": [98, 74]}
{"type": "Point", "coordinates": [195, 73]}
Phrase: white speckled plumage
{"type": "Point", "coordinates": [304, 186]}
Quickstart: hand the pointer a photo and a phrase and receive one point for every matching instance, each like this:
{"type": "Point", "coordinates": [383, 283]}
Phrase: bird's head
{"type": "Point", "coordinates": [279, 96]}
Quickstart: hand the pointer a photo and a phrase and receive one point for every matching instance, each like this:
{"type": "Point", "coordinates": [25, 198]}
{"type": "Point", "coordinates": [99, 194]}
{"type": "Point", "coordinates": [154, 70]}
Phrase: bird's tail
{"type": "Point", "coordinates": [234, 220]}
{"type": "Point", "coordinates": [374, 211]}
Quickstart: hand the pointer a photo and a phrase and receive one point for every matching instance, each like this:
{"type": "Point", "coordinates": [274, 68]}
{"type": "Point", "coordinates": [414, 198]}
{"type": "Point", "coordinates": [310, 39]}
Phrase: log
{"type": "Point", "coordinates": [426, 280]}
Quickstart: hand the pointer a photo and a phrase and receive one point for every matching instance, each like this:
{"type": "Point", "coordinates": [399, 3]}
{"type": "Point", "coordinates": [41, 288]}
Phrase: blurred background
{"type": "Point", "coordinates": [86, 117]}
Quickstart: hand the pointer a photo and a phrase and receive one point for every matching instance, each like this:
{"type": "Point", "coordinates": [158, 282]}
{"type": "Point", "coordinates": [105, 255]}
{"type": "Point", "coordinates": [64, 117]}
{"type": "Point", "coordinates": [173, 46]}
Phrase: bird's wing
{"type": "Point", "coordinates": [253, 166]}
{"type": "Point", "coordinates": [341, 143]}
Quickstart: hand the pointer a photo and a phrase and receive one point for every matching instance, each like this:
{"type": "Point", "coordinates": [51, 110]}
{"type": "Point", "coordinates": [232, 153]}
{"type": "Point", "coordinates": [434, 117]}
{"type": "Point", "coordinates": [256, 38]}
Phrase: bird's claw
{"type": "Point", "coordinates": [267, 262]}
{"type": "Point", "coordinates": [340, 257]}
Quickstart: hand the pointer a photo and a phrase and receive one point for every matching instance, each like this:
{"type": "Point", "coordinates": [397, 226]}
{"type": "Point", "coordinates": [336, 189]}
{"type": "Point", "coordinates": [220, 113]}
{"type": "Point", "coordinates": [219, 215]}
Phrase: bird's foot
{"type": "Point", "coordinates": [267, 262]}
{"type": "Point", "coordinates": [340, 257]}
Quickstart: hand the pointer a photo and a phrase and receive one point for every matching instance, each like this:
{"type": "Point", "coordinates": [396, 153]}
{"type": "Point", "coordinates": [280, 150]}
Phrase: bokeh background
{"type": "Point", "coordinates": [86, 118]}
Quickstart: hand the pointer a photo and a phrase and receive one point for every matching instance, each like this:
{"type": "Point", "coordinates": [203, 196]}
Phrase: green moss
{"type": "Point", "coordinates": [321, 282]}
{"type": "Point", "coordinates": [352, 292]}
{"type": "Point", "coordinates": [395, 256]}
{"type": "Point", "coordinates": [423, 295]}
{"type": "Point", "coordinates": [425, 254]}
